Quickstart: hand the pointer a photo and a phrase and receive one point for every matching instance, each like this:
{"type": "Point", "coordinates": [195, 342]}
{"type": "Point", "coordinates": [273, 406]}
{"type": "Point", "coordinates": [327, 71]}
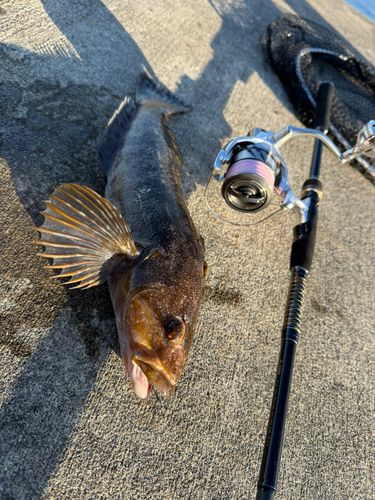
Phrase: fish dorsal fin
{"type": "Point", "coordinates": [83, 233]}
{"type": "Point", "coordinates": [110, 142]}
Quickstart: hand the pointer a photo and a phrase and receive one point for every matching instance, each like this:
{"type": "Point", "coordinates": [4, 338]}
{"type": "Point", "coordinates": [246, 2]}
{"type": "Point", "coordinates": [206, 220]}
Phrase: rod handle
{"type": "Point", "coordinates": [323, 106]}
{"type": "Point", "coordinates": [265, 493]}
{"type": "Point", "coordinates": [304, 238]}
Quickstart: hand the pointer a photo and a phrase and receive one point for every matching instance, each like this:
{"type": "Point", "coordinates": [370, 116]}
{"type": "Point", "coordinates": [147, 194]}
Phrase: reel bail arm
{"type": "Point", "coordinates": [250, 168]}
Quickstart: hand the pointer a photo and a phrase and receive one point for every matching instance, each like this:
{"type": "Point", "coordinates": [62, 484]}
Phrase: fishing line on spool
{"type": "Point", "coordinates": [224, 207]}
{"type": "Point", "coordinates": [233, 200]}
{"type": "Point", "coordinates": [251, 317]}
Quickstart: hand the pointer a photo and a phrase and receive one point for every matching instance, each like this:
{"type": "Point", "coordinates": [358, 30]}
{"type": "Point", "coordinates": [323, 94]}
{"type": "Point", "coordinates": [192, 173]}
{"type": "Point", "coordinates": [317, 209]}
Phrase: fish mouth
{"type": "Point", "coordinates": [150, 364]}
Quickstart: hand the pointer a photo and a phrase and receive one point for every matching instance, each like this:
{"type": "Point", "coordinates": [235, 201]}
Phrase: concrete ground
{"type": "Point", "coordinates": [70, 426]}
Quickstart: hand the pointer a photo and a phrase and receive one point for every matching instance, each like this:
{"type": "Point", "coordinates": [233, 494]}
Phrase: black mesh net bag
{"type": "Point", "coordinates": [304, 55]}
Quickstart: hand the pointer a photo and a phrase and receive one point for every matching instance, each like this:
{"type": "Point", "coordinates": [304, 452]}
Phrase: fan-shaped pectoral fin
{"type": "Point", "coordinates": [85, 236]}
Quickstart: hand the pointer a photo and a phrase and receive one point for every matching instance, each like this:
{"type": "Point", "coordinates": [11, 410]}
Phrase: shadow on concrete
{"type": "Point", "coordinates": [46, 401]}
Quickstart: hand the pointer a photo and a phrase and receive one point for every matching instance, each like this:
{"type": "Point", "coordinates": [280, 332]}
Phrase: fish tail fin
{"type": "Point", "coordinates": [113, 136]}
{"type": "Point", "coordinates": [85, 236]}
{"type": "Point", "coordinates": [149, 92]}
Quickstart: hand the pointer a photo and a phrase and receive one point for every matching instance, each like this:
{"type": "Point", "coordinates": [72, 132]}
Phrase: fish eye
{"type": "Point", "coordinates": [173, 327]}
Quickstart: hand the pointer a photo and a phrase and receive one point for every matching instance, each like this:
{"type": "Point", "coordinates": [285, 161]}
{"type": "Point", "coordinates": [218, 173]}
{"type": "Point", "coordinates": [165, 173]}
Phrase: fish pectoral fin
{"type": "Point", "coordinates": [85, 236]}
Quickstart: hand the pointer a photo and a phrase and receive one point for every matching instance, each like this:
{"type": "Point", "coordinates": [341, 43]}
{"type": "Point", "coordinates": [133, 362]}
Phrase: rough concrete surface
{"type": "Point", "coordinates": [70, 426]}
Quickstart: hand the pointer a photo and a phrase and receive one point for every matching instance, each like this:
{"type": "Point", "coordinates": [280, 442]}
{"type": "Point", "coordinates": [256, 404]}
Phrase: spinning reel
{"type": "Point", "coordinates": [250, 169]}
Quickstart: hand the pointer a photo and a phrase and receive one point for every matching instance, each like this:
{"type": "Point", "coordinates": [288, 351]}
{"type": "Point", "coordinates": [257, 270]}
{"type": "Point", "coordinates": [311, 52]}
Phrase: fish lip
{"type": "Point", "coordinates": [150, 357]}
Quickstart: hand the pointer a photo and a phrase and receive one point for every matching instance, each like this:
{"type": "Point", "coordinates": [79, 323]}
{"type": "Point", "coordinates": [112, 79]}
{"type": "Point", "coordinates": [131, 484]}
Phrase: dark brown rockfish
{"type": "Point", "coordinates": [154, 262]}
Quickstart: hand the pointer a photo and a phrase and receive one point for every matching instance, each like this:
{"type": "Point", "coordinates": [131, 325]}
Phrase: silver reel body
{"type": "Point", "coordinates": [249, 169]}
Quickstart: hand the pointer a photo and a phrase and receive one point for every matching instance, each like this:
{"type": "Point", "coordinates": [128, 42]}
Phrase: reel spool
{"type": "Point", "coordinates": [247, 185]}
{"type": "Point", "coordinates": [249, 181]}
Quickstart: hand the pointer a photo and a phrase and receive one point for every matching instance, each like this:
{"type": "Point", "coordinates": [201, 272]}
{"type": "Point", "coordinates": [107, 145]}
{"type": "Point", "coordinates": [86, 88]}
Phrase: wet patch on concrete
{"type": "Point", "coordinates": [319, 308]}
{"type": "Point", "coordinates": [222, 295]}
{"type": "Point", "coordinates": [93, 315]}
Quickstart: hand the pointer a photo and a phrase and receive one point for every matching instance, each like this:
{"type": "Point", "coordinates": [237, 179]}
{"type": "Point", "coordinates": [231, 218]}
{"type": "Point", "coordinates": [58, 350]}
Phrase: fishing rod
{"type": "Point", "coordinates": [246, 173]}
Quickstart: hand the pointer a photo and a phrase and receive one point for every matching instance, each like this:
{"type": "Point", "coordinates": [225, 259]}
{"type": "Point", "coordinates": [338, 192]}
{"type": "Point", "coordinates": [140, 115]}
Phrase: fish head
{"type": "Point", "coordinates": [155, 324]}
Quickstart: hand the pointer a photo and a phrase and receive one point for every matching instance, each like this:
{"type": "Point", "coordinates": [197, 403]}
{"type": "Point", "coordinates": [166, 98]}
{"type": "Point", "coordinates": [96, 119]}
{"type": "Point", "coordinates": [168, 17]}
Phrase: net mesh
{"type": "Point", "coordinates": [304, 55]}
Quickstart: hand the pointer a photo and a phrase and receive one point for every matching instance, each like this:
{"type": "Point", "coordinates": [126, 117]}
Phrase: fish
{"type": "Point", "coordinates": [139, 237]}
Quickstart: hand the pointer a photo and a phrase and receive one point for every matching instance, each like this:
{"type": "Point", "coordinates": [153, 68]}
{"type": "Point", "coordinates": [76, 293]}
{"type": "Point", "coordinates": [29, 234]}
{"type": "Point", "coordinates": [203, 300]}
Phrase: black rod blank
{"type": "Point", "coordinates": [301, 261]}
{"type": "Point", "coordinates": [275, 432]}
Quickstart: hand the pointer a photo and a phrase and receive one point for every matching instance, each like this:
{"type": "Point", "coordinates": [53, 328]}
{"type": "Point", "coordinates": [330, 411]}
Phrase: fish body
{"type": "Point", "coordinates": [152, 255]}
